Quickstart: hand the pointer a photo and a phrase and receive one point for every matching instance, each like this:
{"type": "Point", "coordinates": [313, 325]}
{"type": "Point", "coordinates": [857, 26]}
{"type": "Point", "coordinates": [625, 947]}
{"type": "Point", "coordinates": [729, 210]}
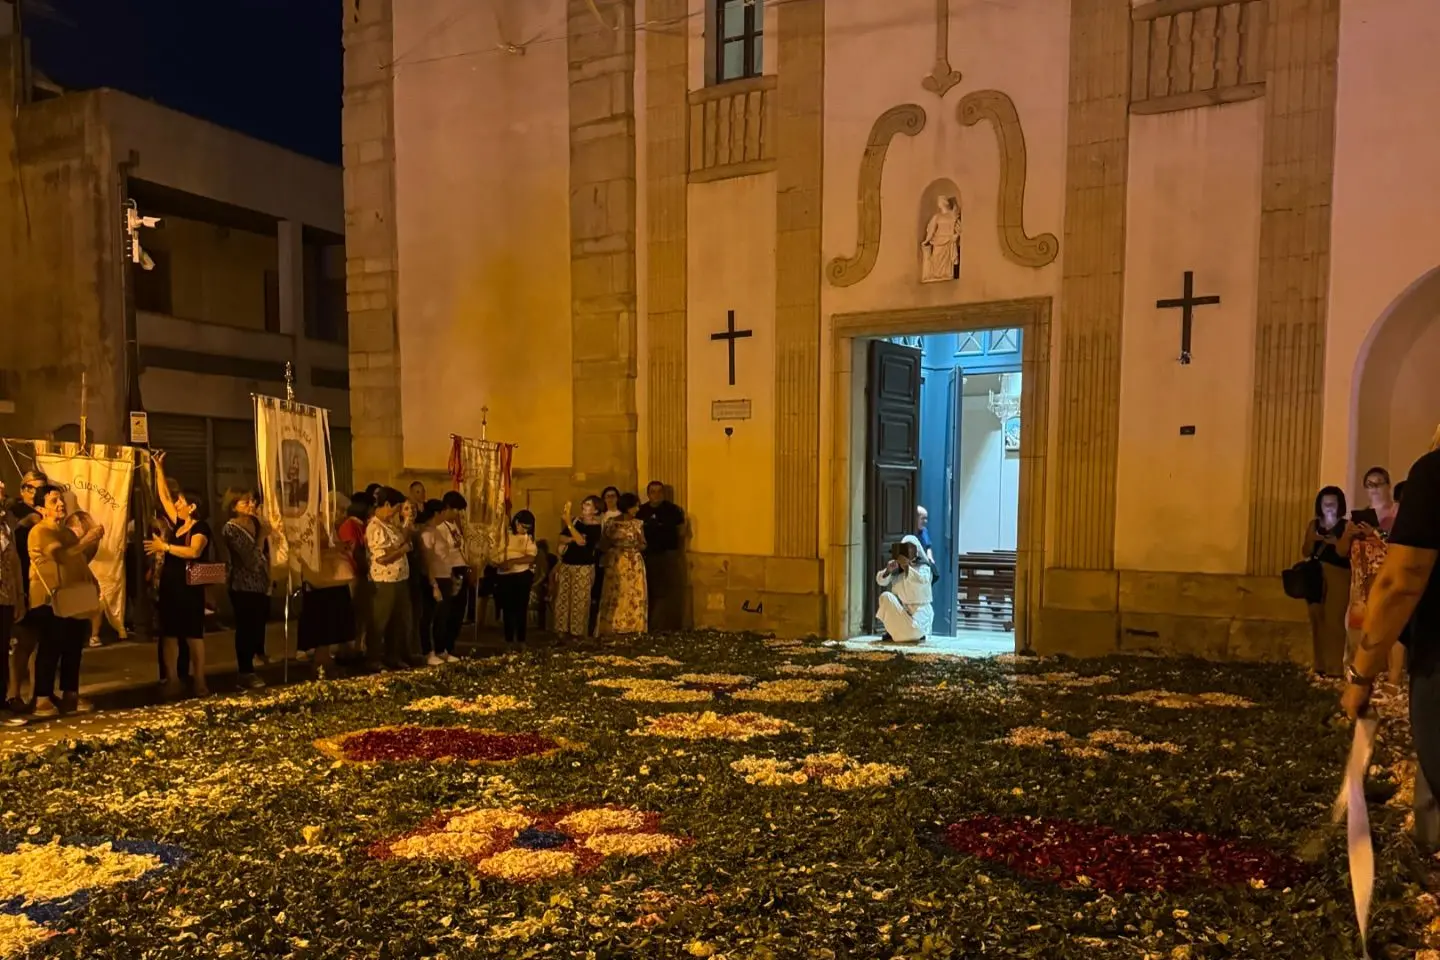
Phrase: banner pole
{"type": "Point", "coordinates": [289, 592]}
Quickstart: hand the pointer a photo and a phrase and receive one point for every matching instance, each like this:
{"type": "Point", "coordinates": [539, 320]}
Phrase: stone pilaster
{"type": "Point", "coordinates": [368, 123]}
{"type": "Point", "coordinates": [1301, 44]}
{"type": "Point", "coordinates": [601, 52]}
{"type": "Point", "coordinates": [666, 106]}
{"type": "Point", "coordinates": [799, 129]}
{"type": "Point", "coordinates": [1092, 286]}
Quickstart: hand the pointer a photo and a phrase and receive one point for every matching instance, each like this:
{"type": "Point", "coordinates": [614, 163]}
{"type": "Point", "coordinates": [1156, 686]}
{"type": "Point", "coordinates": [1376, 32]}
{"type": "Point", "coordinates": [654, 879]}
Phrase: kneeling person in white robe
{"type": "Point", "coordinates": [906, 607]}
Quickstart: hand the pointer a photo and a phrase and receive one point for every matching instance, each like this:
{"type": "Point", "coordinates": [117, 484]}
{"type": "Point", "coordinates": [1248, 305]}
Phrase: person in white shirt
{"type": "Point", "coordinates": [906, 608]}
{"type": "Point", "coordinates": [389, 637]}
{"type": "Point", "coordinates": [516, 576]}
{"type": "Point", "coordinates": [445, 577]}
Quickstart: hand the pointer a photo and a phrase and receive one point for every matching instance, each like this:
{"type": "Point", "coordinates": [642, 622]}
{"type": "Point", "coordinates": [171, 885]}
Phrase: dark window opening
{"type": "Point", "coordinates": [272, 301]}
{"type": "Point", "coordinates": [152, 287]}
{"type": "Point", "coordinates": [739, 39]}
{"type": "Point", "coordinates": [325, 317]}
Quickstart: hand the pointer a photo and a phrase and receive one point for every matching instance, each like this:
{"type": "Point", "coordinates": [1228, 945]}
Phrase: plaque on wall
{"type": "Point", "coordinates": [730, 410]}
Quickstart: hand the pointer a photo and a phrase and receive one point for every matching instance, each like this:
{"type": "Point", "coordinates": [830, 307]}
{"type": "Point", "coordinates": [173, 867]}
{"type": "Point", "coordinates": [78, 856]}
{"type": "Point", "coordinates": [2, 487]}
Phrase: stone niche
{"type": "Point", "coordinates": [930, 270]}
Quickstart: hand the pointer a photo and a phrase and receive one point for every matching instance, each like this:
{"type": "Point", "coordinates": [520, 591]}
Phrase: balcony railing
{"type": "Point", "coordinates": [732, 129]}
{"type": "Point", "coordinates": [1196, 53]}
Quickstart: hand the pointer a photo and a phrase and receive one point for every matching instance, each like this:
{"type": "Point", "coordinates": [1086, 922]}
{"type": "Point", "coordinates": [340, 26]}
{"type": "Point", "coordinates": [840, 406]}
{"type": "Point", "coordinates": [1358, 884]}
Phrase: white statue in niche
{"type": "Point", "coordinates": [941, 247]}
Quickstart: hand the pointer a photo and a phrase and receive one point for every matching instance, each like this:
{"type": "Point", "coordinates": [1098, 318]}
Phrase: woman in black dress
{"type": "Point", "coordinates": [575, 578]}
{"type": "Point", "coordinates": [181, 606]}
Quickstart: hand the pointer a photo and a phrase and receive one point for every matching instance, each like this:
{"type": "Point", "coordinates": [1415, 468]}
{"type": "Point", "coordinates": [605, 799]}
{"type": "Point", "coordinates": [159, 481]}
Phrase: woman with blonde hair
{"type": "Point", "coordinates": [624, 598]}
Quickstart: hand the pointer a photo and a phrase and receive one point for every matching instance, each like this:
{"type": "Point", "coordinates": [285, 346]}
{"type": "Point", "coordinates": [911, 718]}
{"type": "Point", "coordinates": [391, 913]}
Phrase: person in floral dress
{"type": "Point", "coordinates": [624, 601]}
{"type": "Point", "coordinates": [1367, 556]}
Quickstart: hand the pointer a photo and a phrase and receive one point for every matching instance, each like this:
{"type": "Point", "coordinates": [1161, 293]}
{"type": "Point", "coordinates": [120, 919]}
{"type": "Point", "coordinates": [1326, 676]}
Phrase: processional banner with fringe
{"type": "Point", "coordinates": [480, 470]}
{"type": "Point", "coordinates": [292, 453]}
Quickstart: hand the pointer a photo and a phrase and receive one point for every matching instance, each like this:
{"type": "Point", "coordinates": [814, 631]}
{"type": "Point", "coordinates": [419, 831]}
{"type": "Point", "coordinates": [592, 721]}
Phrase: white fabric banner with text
{"type": "Point", "coordinates": [97, 490]}
{"type": "Point", "coordinates": [292, 450]}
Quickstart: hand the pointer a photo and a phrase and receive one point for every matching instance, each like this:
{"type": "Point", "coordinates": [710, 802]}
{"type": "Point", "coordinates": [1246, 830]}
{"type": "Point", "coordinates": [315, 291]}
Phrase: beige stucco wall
{"type": "Point", "coordinates": [1194, 204]}
{"type": "Point", "coordinates": [731, 475]}
{"type": "Point", "coordinates": [987, 42]}
{"type": "Point", "coordinates": [482, 191]}
{"type": "Point", "coordinates": [1385, 207]}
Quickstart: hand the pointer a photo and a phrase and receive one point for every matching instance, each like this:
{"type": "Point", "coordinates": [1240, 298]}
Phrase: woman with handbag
{"type": "Point", "coordinates": [63, 598]}
{"type": "Point", "coordinates": [1327, 541]}
{"type": "Point", "coordinates": [247, 543]}
{"type": "Point", "coordinates": [184, 574]}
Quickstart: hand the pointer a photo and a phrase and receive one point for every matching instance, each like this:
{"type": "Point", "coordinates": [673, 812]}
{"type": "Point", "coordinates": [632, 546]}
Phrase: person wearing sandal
{"type": "Point", "coordinates": [59, 560]}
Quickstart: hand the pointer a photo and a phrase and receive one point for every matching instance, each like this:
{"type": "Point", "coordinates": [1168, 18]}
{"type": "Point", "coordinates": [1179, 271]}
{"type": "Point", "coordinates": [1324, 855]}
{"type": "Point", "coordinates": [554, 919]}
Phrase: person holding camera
{"type": "Point", "coordinates": [906, 607]}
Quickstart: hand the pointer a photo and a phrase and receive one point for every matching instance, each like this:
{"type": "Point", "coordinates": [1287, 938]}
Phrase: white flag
{"type": "Point", "coordinates": [97, 491]}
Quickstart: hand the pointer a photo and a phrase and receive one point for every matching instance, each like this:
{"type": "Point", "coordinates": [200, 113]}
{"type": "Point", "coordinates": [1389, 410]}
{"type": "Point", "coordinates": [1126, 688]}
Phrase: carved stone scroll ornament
{"type": "Point", "coordinates": [999, 109]}
{"type": "Point", "coordinates": [909, 119]}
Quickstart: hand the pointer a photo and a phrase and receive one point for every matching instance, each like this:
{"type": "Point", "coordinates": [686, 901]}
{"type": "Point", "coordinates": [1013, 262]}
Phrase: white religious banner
{"type": "Point", "coordinates": [97, 491]}
{"type": "Point", "coordinates": [292, 453]}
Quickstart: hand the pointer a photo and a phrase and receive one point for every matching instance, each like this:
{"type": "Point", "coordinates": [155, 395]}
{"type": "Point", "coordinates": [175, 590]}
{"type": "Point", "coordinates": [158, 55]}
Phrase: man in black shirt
{"type": "Point", "coordinates": [664, 560]}
{"type": "Point", "coordinates": [1405, 602]}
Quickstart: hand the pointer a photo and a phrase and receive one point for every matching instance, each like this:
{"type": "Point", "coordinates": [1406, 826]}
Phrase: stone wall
{"type": "Point", "coordinates": [601, 42]}
{"type": "Point", "coordinates": [370, 247]}
{"type": "Point", "coordinates": [780, 595]}
{"type": "Point", "coordinates": [59, 265]}
{"type": "Point", "coordinates": [1215, 616]}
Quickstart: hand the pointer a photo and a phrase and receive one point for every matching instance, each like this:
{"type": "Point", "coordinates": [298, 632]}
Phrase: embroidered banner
{"type": "Point", "coordinates": [292, 453]}
{"type": "Point", "coordinates": [97, 491]}
{"type": "Point", "coordinates": [481, 471]}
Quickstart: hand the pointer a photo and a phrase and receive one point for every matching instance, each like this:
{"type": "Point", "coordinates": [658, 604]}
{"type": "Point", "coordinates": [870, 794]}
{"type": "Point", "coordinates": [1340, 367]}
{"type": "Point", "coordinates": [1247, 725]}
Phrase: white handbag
{"type": "Point", "coordinates": [79, 601]}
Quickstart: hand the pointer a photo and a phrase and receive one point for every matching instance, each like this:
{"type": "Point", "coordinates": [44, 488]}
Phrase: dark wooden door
{"type": "Point", "coordinates": [893, 447]}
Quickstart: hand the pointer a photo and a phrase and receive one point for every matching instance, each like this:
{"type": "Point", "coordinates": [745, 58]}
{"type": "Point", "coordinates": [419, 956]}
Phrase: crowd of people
{"type": "Point", "coordinates": [394, 588]}
{"type": "Point", "coordinates": [1342, 552]}
{"type": "Point", "coordinates": [1397, 594]}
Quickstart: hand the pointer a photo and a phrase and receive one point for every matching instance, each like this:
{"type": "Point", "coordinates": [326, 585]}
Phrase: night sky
{"type": "Point", "coordinates": [270, 68]}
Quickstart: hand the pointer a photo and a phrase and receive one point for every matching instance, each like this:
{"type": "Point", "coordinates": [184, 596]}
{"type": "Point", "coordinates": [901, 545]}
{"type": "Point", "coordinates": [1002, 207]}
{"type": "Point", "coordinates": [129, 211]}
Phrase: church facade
{"type": "Point", "coordinates": [656, 238]}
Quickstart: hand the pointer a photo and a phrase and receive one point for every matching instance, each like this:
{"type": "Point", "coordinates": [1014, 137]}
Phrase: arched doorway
{"type": "Point", "coordinates": [1397, 393]}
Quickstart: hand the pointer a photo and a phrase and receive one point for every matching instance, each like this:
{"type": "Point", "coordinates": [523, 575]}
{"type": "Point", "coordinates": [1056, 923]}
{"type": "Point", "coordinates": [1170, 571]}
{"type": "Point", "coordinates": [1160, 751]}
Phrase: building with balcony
{"type": "Point", "coordinates": [248, 275]}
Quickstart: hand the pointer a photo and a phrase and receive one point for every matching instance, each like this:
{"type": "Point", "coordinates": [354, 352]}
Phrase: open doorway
{"type": "Point", "coordinates": [943, 435]}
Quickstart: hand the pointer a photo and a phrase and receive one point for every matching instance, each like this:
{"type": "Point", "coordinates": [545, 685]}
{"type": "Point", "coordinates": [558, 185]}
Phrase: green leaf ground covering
{"type": "Point", "coordinates": [796, 871]}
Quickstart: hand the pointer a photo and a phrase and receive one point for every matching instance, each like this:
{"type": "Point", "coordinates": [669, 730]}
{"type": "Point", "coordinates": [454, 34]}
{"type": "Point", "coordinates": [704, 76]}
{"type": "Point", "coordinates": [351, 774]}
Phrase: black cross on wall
{"type": "Point", "coordinates": [730, 334]}
{"type": "Point", "coordinates": [1186, 305]}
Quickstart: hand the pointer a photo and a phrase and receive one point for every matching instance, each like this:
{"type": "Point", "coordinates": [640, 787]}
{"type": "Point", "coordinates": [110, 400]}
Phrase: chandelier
{"type": "Point", "coordinates": [1006, 403]}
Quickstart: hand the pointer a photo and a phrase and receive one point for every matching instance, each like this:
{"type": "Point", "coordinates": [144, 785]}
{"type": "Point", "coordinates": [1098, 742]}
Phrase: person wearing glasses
{"type": "Point", "coordinates": [1367, 555]}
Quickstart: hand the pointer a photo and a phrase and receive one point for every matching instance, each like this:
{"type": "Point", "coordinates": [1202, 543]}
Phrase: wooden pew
{"type": "Point", "coordinates": [986, 591]}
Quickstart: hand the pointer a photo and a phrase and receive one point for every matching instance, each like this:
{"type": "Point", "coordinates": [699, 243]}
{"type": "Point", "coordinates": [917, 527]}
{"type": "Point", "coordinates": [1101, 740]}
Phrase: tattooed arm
{"type": "Point", "coordinates": [1398, 588]}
